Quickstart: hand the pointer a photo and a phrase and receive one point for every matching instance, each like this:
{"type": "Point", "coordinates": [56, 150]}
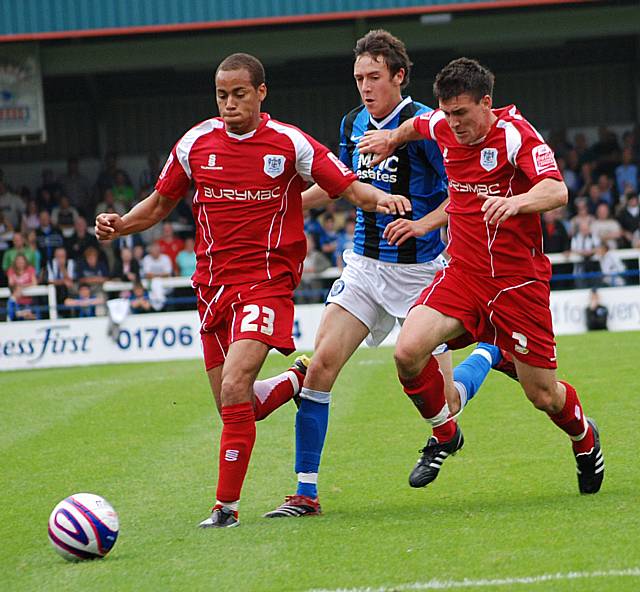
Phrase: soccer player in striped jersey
{"type": "Point", "coordinates": [249, 172]}
{"type": "Point", "coordinates": [393, 258]}
{"type": "Point", "coordinates": [502, 175]}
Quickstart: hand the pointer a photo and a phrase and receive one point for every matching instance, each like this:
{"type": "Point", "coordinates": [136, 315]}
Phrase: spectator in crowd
{"type": "Point", "coordinates": [629, 218]}
{"type": "Point", "coordinates": [6, 233]}
{"type": "Point", "coordinates": [571, 172]}
{"type": "Point", "coordinates": [329, 238]}
{"type": "Point", "coordinates": [80, 240]}
{"type": "Point", "coordinates": [20, 248]}
{"type": "Point", "coordinates": [139, 254]}
{"type": "Point", "coordinates": [605, 185]}
{"type": "Point", "coordinates": [606, 228]}
{"type": "Point", "coordinates": [596, 313]}
{"type": "Point", "coordinates": [345, 241]}
{"type": "Point", "coordinates": [19, 306]}
{"type": "Point", "coordinates": [170, 244]}
{"type": "Point", "coordinates": [183, 212]}
{"type": "Point", "coordinates": [606, 152]}
{"type": "Point", "coordinates": [586, 177]}
{"type": "Point", "coordinates": [149, 175]}
{"type": "Point", "coordinates": [107, 176]}
{"type": "Point", "coordinates": [556, 240]}
{"type": "Point", "coordinates": [611, 266]}
{"type": "Point", "coordinates": [128, 242]}
{"type": "Point", "coordinates": [627, 173]}
{"type": "Point", "coordinates": [11, 205]}
{"type": "Point", "coordinates": [582, 215]}
{"type": "Point", "coordinates": [84, 303]}
{"type": "Point", "coordinates": [312, 226]}
{"type": "Point", "coordinates": [61, 273]}
{"type": "Point", "coordinates": [23, 275]}
{"type": "Point", "coordinates": [310, 287]}
{"type": "Point", "coordinates": [186, 259]}
{"type": "Point", "coordinates": [109, 204]}
{"type": "Point", "coordinates": [76, 187]}
{"type": "Point", "coordinates": [554, 233]}
{"type": "Point", "coordinates": [156, 263]}
{"type": "Point", "coordinates": [594, 199]}
{"type": "Point", "coordinates": [581, 147]}
{"type": "Point", "coordinates": [64, 216]}
{"type": "Point", "coordinates": [46, 201]}
{"type": "Point", "coordinates": [139, 300]}
{"type": "Point", "coordinates": [584, 244]}
{"type": "Point", "coordinates": [92, 271]}
{"type": "Point", "coordinates": [122, 190]}
{"type": "Point", "coordinates": [49, 237]}
{"type": "Point", "coordinates": [31, 217]}
{"type": "Point", "coordinates": [126, 269]}
{"type": "Point", "coordinates": [32, 245]}
{"type": "Point", "coordinates": [50, 187]}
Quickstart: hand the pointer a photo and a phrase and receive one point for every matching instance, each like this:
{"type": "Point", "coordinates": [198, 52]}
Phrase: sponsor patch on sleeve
{"type": "Point", "coordinates": [341, 166]}
{"type": "Point", "coordinates": [543, 159]}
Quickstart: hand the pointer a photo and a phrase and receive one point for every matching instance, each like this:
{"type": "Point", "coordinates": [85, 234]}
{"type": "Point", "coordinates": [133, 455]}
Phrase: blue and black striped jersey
{"type": "Point", "coordinates": [415, 170]}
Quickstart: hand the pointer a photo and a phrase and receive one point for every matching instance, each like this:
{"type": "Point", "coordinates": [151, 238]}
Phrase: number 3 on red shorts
{"type": "Point", "coordinates": [252, 312]}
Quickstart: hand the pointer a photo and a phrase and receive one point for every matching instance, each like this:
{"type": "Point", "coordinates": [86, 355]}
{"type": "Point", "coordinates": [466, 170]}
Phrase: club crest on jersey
{"type": "Point", "coordinates": [274, 165]}
{"type": "Point", "coordinates": [489, 158]}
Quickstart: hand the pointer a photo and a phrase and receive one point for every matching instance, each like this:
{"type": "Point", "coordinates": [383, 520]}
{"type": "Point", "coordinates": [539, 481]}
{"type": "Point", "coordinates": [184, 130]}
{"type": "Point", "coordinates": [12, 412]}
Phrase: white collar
{"type": "Point", "coordinates": [241, 136]}
{"type": "Point", "coordinates": [399, 107]}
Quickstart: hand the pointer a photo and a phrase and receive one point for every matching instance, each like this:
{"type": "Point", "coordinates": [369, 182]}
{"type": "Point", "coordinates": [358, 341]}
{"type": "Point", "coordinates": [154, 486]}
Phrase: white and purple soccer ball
{"type": "Point", "coordinates": [83, 526]}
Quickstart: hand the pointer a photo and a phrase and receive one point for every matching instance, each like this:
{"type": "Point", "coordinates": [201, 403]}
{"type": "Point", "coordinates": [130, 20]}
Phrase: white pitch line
{"type": "Point", "coordinates": [434, 584]}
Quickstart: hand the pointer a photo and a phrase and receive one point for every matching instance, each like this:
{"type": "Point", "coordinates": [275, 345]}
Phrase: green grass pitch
{"type": "Point", "coordinates": [145, 437]}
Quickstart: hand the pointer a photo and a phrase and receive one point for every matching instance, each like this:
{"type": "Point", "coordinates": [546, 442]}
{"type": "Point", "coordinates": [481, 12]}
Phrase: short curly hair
{"type": "Point", "coordinates": [463, 76]}
{"type": "Point", "coordinates": [393, 51]}
{"type": "Point", "coordinates": [244, 61]}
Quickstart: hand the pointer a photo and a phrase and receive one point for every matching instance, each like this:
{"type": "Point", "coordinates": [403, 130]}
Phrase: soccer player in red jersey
{"type": "Point", "coordinates": [249, 171]}
{"type": "Point", "coordinates": [502, 175]}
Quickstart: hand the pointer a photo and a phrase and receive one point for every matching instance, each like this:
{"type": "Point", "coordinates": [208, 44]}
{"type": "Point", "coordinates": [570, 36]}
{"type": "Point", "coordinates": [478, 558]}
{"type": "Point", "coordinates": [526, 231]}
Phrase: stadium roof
{"type": "Point", "coordinates": [22, 20]}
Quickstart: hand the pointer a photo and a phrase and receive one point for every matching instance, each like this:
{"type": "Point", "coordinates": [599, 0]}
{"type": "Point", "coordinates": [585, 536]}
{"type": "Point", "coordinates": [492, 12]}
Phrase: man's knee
{"type": "Point", "coordinates": [236, 388]}
{"type": "Point", "coordinates": [322, 371]}
{"type": "Point", "coordinates": [409, 359]}
{"type": "Point", "coordinates": [545, 397]}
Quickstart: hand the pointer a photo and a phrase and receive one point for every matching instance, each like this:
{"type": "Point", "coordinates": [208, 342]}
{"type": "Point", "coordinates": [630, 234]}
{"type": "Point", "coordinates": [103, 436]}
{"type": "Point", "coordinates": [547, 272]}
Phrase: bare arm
{"type": "Point", "coordinates": [148, 212]}
{"type": "Point", "coordinates": [314, 197]}
{"type": "Point", "coordinates": [372, 199]}
{"type": "Point", "coordinates": [382, 143]}
{"type": "Point", "coordinates": [546, 195]}
{"type": "Point", "coordinates": [401, 230]}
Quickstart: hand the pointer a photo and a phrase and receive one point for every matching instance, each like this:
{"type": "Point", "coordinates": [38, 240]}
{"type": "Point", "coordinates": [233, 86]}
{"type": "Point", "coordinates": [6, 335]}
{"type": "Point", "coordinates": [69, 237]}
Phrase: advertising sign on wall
{"type": "Point", "coordinates": [21, 100]}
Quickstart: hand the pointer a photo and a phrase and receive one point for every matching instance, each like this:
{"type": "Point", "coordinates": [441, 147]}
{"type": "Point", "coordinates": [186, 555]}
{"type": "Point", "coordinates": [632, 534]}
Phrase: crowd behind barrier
{"type": "Point", "coordinates": [53, 266]}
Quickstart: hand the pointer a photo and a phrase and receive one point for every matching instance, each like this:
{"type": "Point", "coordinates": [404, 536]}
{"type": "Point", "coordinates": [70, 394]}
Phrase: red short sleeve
{"type": "Point", "coordinates": [535, 158]}
{"type": "Point", "coordinates": [173, 181]}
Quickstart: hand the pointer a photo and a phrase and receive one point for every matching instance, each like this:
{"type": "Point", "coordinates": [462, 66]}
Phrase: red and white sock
{"type": "Point", "coordinates": [572, 421]}
{"type": "Point", "coordinates": [274, 392]}
{"type": "Point", "coordinates": [426, 392]}
{"type": "Point", "coordinates": [236, 443]}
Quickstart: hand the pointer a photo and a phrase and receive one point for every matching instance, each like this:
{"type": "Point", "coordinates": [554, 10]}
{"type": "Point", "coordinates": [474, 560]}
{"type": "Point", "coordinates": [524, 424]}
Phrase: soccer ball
{"type": "Point", "coordinates": [83, 526]}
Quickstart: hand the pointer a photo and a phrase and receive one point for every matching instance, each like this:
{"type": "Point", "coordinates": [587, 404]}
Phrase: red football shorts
{"type": "Point", "coordinates": [512, 313]}
{"type": "Point", "coordinates": [262, 312]}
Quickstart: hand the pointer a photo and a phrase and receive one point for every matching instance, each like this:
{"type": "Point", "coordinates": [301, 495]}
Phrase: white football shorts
{"type": "Point", "coordinates": [380, 293]}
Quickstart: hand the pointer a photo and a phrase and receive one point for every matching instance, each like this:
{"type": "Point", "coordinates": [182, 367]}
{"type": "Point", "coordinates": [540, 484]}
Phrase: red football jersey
{"type": "Point", "coordinates": [247, 205]}
{"type": "Point", "coordinates": [512, 158]}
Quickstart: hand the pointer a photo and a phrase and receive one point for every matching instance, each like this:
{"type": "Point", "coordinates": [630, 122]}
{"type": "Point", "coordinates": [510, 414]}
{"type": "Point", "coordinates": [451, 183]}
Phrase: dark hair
{"type": "Point", "coordinates": [244, 61]}
{"type": "Point", "coordinates": [463, 76]}
{"type": "Point", "coordinates": [393, 51]}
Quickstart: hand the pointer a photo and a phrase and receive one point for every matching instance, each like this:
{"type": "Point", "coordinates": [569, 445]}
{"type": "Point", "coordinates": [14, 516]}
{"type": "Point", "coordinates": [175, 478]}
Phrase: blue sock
{"type": "Point", "coordinates": [472, 372]}
{"type": "Point", "coordinates": [312, 420]}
